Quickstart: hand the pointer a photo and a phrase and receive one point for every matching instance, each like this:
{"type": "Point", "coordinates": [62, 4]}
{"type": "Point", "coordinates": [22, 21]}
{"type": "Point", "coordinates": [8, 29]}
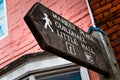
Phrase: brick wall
{"type": "Point", "coordinates": [107, 16]}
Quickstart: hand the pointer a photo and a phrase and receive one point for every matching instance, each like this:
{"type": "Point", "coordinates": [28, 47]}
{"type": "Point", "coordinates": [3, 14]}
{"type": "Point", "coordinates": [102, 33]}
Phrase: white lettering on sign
{"type": "Point", "coordinates": [70, 48]}
{"type": "Point", "coordinates": [48, 23]}
{"type": "Point", "coordinates": [67, 31]}
{"type": "Point", "coordinates": [63, 21]}
{"type": "Point", "coordinates": [67, 37]}
{"type": "Point", "coordinates": [86, 35]}
{"type": "Point", "coordinates": [87, 48]}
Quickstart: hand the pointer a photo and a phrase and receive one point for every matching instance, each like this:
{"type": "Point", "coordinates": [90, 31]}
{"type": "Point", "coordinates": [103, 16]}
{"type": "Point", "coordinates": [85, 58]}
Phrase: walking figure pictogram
{"type": "Point", "coordinates": [48, 23]}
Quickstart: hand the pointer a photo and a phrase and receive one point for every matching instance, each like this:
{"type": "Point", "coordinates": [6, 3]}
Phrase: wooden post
{"type": "Point", "coordinates": [114, 70]}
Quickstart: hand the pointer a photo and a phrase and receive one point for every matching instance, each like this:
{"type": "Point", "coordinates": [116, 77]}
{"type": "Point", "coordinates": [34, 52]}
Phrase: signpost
{"type": "Point", "coordinates": [60, 37]}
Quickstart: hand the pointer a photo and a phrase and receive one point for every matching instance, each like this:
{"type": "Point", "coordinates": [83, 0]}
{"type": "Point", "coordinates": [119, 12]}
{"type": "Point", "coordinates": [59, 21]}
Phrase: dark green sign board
{"type": "Point", "coordinates": [60, 37]}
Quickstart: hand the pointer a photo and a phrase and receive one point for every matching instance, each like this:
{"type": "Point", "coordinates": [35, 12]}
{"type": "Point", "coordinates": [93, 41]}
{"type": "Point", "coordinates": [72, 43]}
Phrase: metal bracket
{"type": "Point", "coordinates": [96, 29]}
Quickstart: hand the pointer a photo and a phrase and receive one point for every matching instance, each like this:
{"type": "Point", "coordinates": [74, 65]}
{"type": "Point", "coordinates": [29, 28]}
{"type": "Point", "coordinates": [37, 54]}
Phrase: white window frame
{"type": "Point", "coordinates": [4, 23]}
{"type": "Point", "coordinates": [90, 12]}
{"type": "Point", "coordinates": [42, 64]}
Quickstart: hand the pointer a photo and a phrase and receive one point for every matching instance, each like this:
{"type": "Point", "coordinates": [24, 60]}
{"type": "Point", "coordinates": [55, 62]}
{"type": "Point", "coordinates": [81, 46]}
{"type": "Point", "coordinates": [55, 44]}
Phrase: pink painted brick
{"type": "Point", "coordinates": [20, 41]}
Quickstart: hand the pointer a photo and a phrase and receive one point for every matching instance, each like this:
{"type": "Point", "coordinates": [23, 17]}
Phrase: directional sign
{"type": "Point", "coordinates": [60, 37]}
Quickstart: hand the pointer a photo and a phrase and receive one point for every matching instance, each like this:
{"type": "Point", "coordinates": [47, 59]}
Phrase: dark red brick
{"type": "Point", "coordinates": [115, 8]}
{"type": "Point", "coordinates": [117, 20]}
{"type": "Point", "coordinates": [118, 49]}
{"type": "Point", "coordinates": [98, 17]}
{"type": "Point", "coordinates": [96, 6]}
{"type": "Point", "coordinates": [113, 43]}
{"type": "Point", "coordinates": [115, 2]}
{"type": "Point", "coordinates": [118, 41]}
{"type": "Point", "coordinates": [102, 2]}
{"type": "Point", "coordinates": [104, 26]}
{"type": "Point", "coordinates": [118, 56]}
{"type": "Point", "coordinates": [102, 9]}
{"type": "Point", "coordinates": [109, 1]}
{"type": "Point", "coordinates": [106, 13]}
{"type": "Point", "coordinates": [93, 2]}
{"type": "Point", "coordinates": [119, 63]}
{"type": "Point", "coordinates": [118, 33]}
{"type": "Point", "coordinates": [114, 36]}
{"type": "Point", "coordinates": [113, 29]}
{"type": "Point", "coordinates": [110, 24]}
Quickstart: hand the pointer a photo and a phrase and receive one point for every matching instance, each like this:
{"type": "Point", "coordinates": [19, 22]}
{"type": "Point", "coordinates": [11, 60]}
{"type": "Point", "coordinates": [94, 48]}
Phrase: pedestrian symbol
{"type": "Point", "coordinates": [48, 23]}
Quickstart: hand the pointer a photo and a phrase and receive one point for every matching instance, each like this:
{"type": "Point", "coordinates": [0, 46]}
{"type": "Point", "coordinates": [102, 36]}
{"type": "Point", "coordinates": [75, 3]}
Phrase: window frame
{"type": "Point", "coordinates": [58, 71]}
{"type": "Point", "coordinates": [5, 29]}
